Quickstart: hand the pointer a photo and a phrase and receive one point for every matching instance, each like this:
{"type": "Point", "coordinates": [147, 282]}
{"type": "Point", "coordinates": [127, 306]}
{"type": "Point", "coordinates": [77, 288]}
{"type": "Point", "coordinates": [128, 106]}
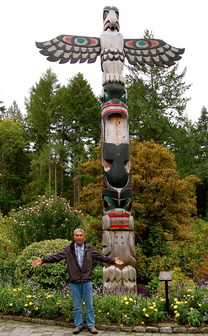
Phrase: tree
{"type": "Point", "coordinates": [15, 113]}
{"type": "Point", "coordinates": [156, 101]}
{"type": "Point", "coordinates": [201, 158]}
{"type": "Point", "coordinates": [41, 121]}
{"type": "Point", "coordinates": [14, 164]}
{"type": "Point", "coordinates": [162, 202]}
{"type": "Point", "coordinates": [2, 110]}
{"type": "Point", "coordinates": [41, 109]}
{"type": "Point", "coordinates": [79, 125]}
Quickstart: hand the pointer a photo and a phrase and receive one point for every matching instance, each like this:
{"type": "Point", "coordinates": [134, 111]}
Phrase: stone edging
{"type": "Point", "coordinates": [138, 329]}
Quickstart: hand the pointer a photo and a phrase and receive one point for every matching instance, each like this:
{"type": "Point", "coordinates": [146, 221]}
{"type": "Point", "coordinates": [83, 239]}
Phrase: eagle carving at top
{"type": "Point", "coordinates": [112, 49]}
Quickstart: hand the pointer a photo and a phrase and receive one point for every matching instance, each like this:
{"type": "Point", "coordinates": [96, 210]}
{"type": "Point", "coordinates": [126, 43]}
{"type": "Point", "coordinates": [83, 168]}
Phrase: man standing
{"type": "Point", "coordinates": [79, 256]}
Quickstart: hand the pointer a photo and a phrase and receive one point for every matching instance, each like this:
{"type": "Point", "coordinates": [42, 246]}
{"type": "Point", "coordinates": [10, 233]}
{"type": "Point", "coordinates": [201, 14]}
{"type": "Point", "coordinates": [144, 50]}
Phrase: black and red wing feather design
{"type": "Point", "coordinates": [65, 48]}
{"type": "Point", "coordinates": [151, 52]}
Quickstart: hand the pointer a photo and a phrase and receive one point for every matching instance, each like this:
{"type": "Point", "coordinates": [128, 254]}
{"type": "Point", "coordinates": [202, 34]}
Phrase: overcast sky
{"type": "Point", "coordinates": [181, 23]}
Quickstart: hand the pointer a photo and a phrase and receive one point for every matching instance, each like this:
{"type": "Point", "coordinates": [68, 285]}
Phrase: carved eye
{"type": "Point", "coordinates": [108, 203]}
{"type": "Point", "coordinates": [117, 14]}
{"type": "Point", "coordinates": [105, 13]}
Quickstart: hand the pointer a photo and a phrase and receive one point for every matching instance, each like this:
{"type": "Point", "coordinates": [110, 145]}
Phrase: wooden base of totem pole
{"type": "Point", "coordinates": [118, 241]}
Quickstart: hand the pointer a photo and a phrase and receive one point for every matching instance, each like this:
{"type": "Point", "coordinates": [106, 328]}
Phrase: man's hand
{"type": "Point", "coordinates": [37, 262]}
{"type": "Point", "coordinates": [118, 261]}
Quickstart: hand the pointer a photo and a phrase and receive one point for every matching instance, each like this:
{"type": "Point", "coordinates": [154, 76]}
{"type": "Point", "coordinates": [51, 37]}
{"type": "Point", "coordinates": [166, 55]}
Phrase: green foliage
{"type": "Point", "coordinates": [156, 101]}
{"type": "Point", "coordinates": [32, 300]}
{"type": "Point", "coordinates": [14, 164]}
{"type": "Point", "coordinates": [41, 109]}
{"type": "Point", "coordinates": [98, 276]}
{"type": "Point", "coordinates": [152, 286]}
{"type": "Point", "coordinates": [188, 306]}
{"type": "Point", "coordinates": [45, 219]}
{"type": "Point", "coordinates": [8, 252]}
{"type": "Point", "coordinates": [49, 275]}
{"type": "Point", "coordinates": [127, 310]}
{"type": "Point", "coordinates": [141, 265]}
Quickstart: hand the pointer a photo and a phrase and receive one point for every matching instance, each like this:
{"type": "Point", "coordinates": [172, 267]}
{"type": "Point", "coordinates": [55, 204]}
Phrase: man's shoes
{"type": "Point", "coordinates": [77, 330]}
{"type": "Point", "coordinates": [93, 330]}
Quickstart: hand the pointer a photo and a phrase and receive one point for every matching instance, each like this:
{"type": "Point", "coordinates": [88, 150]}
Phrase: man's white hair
{"type": "Point", "coordinates": [79, 230]}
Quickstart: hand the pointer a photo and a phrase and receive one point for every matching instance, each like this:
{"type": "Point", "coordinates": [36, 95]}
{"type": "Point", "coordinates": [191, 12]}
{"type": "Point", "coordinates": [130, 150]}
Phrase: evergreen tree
{"type": "Point", "coordinates": [201, 158]}
{"type": "Point", "coordinates": [14, 164]}
{"type": "Point", "coordinates": [156, 101]}
{"type": "Point", "coordinates": [78, 124]}
{"type": "Point", "coordinates": [15, 113]}
{"type": "Point", "coordinates": [41, 109]}
{"type": "Point", "coordinates": [2, 110]}
{"type": "Point", "coordinates": [40, 119]}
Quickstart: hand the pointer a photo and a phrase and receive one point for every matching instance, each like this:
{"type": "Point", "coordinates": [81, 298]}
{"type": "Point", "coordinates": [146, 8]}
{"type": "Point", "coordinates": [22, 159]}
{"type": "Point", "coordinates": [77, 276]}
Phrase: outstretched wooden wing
{"type": "Point", "coordinates": [151, 52]}
{"type": "Point", "coordinates": [65, 48]}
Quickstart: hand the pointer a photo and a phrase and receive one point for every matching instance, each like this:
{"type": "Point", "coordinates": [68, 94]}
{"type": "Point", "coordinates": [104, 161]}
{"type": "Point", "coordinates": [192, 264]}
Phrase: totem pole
{"type": "Point", "coordinates": [117, 222]}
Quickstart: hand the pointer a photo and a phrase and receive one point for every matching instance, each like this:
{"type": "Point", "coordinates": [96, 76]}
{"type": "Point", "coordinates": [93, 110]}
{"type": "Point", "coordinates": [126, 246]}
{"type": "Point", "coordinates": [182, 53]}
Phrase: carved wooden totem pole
{"type": "Point", "coordinates": [117, 222]}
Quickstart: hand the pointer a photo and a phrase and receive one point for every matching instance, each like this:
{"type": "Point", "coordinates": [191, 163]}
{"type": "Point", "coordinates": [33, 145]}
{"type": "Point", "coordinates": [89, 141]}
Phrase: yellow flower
{"type": "Point", "coordinates": [156, 309]}
{"type": "Point", "coordinates": [199, 304]}
{"type": "Point", "coordinates": [14, 290]}
{"type": "Point", "coordinates": [142, 322]}
{"type": "Point", "coordinates": [175, 311]}
{"type": "Point", "coordinates": [11, 304]}
{"type": "Point", "coordinates": [175, 299]}
{"type": "Point", "coordinates": [26, 305]}
{"type": "Point", "coordinates": [30, 303]}
{"type": "Point", "coordinates": [177, 315]}
{"type": "Point", "coordinates": [147, 315]}
{"type": "Point", "coordinates": [125, 315]}
{"type": "Point", "coordinates": [151, 307]}
{"type": "Point", "coordinates": [125, 298]}
{"type": "Point", "coordinates": [191, 308]}
{"type": "Point", "coordinates": [127, 302]}
{"type": "Point", "coordinates": [19, 289]}
{"type": "Point", "coordinates": [108, 313]}
{"type": "Point", "coordinates": [163, 299]}
{"type": "Point", "coordinates": [144, 309]}
{"type": "Point", "coordinates": [175, 307]}
{"type": "Point", "coordinates": [131, 300]}
{"type": "Point", "coordinates": [28, 296]}
{"type": "Point", "coordinates": [36, 308]}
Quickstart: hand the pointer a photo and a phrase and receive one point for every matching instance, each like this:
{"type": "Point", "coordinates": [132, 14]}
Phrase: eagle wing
{"type": "Point", "coordinates": [64, 48]}
{"type": "Point", "coordinates": [151, 52]}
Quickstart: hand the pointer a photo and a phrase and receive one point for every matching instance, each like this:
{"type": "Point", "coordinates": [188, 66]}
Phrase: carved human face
{"type": "Point", "coordinates": [79, 237]}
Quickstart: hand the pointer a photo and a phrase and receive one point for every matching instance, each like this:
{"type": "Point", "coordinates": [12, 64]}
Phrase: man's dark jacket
{"type": "Point", "coordinates": [76, 273]}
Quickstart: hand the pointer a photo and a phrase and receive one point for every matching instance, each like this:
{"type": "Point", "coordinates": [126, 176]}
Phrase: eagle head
{"type": "Point", "coordinates": [111, 18]}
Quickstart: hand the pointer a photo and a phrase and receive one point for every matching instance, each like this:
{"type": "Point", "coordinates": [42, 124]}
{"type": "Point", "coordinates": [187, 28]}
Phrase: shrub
{"type": "Point", "coordinates": [45, 219]}
{"type": "Point", "coordinates": [188, 306]}
{"type": "Point", "coordinates": [7, 254]}
{"type": "Point", "coordinates": [32, 300]}
{"type": "Point", "coordinates": [48, 275]}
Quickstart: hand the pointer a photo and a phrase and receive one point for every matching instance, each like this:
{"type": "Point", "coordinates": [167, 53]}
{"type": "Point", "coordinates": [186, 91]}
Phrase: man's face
{"type": "Point", "coordinates": [79, 237]}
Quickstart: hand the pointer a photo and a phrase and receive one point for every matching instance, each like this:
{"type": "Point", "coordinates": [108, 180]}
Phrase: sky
{"type": "Point", "coordinates": [181, 23]}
